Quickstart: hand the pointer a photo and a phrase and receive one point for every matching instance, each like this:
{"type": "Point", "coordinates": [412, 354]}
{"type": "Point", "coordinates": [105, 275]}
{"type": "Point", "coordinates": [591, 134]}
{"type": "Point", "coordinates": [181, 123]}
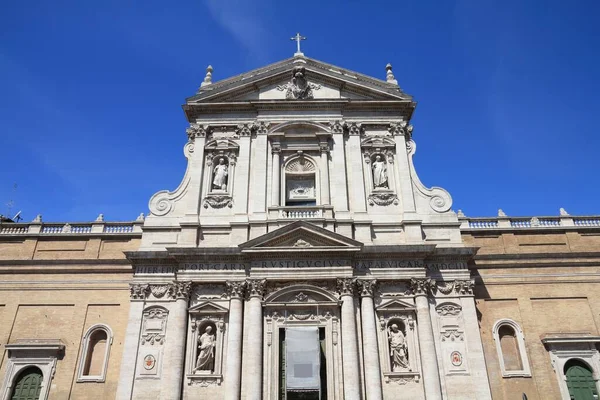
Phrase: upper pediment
{"type": "Point", "coordinates": [298, 78]}
{"type": "Point", "coordinates": [300, 235]}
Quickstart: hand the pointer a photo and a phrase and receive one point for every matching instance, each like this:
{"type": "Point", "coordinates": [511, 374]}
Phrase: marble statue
{"type": "Point", "coordinates": [220, 175]}
{"type": "Point", "coordinates": [398, 348]}
{"type": "Point", "coordinates": [299, 88]}
{"type": "Point", "coordinates": [380, 178]}
{"type": "Point", "coordinates": [206, 351]}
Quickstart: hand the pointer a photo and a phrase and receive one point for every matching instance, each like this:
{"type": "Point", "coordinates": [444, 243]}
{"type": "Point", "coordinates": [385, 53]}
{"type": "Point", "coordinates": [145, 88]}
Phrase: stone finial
{"type": "Point", "coordinates": [100, 218]}
{"type": "Point", "coordinates": [389, 75]}
{"type": "Point", "coordinates": [460, 214]}
{"type": "Point", "coordinates": [38, 219]}
{"type": "Point", "coordinates": [208, 78]}
{"type": "Point", "coordinates": [140, 218]}
{"type": "Point", "coordinates": [563, 212]}
{"type": "Point", "coordinates": [501, 213]}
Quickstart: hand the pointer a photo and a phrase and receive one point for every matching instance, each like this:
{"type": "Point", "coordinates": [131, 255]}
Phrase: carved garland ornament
{"type": "Point", "coordinates": [219, 201]}
{"type": "Point", "coordinates": [383, 199]}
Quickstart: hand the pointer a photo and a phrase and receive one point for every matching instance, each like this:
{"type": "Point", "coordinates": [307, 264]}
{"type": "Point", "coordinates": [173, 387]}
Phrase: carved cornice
{"type": "Point", "coordinates": [256, 287]}
{"type": "Point", "coordinates": [367, 287]}
{"type": "Point", "coordinates": [422, 286]}
{"type": "Point", "coordinates": [464, 287]}
{"type": "Point", "coordinates": [197, 130]}
{"type": "Point", "coordinates": [138, 291]}
{"type": "Point", "coordinates": [236, 289]}
{"type": "Point", "coordinates": [346, 286]}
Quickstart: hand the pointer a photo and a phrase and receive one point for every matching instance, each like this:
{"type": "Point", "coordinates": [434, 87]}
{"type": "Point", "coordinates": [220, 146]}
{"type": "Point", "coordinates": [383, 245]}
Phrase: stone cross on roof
{"type": "Point", "coordinates": [298, 38]}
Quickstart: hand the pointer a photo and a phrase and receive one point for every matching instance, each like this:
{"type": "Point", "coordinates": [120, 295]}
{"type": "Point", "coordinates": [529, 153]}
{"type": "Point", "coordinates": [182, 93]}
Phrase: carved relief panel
{"type": "Point", "coordinates": [452, 338]}
{"type": "Point", "coordinates": [152, 341]}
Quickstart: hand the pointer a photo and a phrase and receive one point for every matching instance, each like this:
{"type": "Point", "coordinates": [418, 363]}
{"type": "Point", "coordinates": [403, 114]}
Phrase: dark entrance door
{"type": "Point", "coordinates": [28, 385]}
{"type": "Point", "coordinates": [580, 381]}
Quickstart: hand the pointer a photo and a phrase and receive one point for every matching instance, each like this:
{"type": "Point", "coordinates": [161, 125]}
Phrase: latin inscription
{"type": "Point", "coordinates": [213, 266]}
{"type": "Point", "coordinates": [300, 263]}
{"type": "Point", "coordinates": [155, 269]}
{"type": "Point", "coordinates": [440, 266]}
{"type": "Point", "coordinates": [368, 264]}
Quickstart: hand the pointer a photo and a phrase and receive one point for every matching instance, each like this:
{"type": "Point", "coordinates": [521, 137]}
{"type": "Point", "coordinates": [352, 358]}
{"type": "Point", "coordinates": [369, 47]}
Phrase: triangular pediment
{"type": "Point", "coordinates": [270, 83]}
{"type": "Point", "coordinates": [301, 236]}
{"type": "Point", "coordinates": [208, 307]}
{"type": "Point", "coordinates": [396, 305]}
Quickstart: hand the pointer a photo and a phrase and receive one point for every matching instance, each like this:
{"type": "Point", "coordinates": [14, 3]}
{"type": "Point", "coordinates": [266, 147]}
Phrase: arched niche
{"type": "Point", "coordinates": [300, 181]}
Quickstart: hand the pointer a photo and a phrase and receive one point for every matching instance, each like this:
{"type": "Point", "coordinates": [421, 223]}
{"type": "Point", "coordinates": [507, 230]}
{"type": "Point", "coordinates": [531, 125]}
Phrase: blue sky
{"type": "Point", "coordinates": [91, 93]}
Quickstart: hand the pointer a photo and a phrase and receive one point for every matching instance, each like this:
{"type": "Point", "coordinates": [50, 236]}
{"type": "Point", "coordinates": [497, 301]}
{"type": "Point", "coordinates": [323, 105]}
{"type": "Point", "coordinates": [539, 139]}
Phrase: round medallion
{"type": "Point", "coordinates": [149, 362]}
{"type": "Point", "coordinates": [456, 358]}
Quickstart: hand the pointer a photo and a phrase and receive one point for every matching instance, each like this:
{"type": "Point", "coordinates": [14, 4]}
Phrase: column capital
{"type": "Point", "coordinates": [367, 287]}
{"type": "Point", "coordinates": [464, 287]}
{"type": "Point", "coordinates": [139, 291]}
{"type": "Point", "coordinates": [180, 290]}
{"type": "Point", "coordinates": [422, 286]}
{"type": "Point", "coordinates": [346, 286]}
{"type": "Point", "coordinates": [236, 289]}
{"type": "Point", "coordinates": [256, 287]}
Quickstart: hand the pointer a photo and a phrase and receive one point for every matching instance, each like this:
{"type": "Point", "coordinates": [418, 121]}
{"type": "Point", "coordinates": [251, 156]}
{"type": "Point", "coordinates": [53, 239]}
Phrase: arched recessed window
{"type": "Point", "coordinates": [28, 384]}
{"type": "Point", "coordinates": [300, 182]}
{"type": "Point", "coordinates": [510, 345]}
{"type": "Point", "coordinates": [95, 350]}
{"type": "Point", "coordinates": [580, 380]}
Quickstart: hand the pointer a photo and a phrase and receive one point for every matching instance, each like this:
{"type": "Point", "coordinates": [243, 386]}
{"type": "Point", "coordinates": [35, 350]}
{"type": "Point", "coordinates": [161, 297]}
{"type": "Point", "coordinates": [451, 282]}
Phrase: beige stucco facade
{"type": "Point", "coordinates": [300, 211]}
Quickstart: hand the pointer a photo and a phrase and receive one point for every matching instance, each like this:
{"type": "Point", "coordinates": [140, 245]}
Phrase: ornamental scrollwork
{"type": "Point", "coordinates": [236, 288]}
{"type": "Point", "coordinates": [354, 128]}
{"type": "Point", "coordinates": [423, 286]}
{"type": "Point", "coordinates": [383, 199]}
{"type": "Point", "coordinates": [464, 287]}
{"type": "Point", "coordinates": [445, 287]}
{"type": "Point", "coordinates": [336, 126]}
{"type": "Point", "coordinates": [180, 290]}
{"type": "Point", "coordinates": [401, 128]}
{"type": "Point", "coordinates": [445, 309]}
{"type": "Point", "coordinates": [197, 130]}
{"type": "Point", "coordinates": [367, 287]}
{"type": "Point", "coordinates": [261, 127]}
{"type": "Point", "coordinates": [244, 129]}
{"type": "Point", "coordinates": [346, 286]}
{"type": "Point", "coordinates": [218, 201]}
{"type": "Point", "coordinates": [138, 291]}
{"type": "Point", "coordinates": [256, 287]}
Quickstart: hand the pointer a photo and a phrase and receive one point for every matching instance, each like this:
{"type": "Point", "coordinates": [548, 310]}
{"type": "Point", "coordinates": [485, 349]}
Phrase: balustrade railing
{"type": "Point", "coordinates": [96, 227]}
{"type": "Point", "coordinates": [505, 222]}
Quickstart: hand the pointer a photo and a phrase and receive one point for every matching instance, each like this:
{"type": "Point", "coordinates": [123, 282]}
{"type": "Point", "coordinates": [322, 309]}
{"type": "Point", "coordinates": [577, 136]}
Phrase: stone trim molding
{"type": "Point", "coordinates": [85, 354]}
{"type": "Point", "coordinates": [525, 371]}
{"type": "Point", "coordinates": [25, 353]}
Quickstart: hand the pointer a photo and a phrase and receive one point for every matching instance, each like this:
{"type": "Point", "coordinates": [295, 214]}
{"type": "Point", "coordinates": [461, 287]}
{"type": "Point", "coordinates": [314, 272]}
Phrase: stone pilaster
{"type": "Point", "coordinates": [233, 367]}
{"type": "Point", "coordinates": [372, 367]}
{"type": "Point", "coordinates": [325, 195]}
{"type": "Point", "coordinates": [132, 339]}
{"type": "Point", "coordinates": [429, 365]}
{"type": "Point", "coordinates": [253, 366]}
{"type": "Point", "coordinates": [350, 362]}
{"type": "Point", "coordinates": [276, 181]}
{"type": "Point", "coordinates": [174, 356]}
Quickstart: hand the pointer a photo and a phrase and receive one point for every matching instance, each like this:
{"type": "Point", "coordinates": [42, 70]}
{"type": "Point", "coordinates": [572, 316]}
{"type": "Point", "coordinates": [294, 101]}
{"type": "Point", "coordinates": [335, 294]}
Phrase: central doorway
{"type": "Point", "coordinates": [286, 365]}
{"type": "Point", "coordinates": [580, 381]}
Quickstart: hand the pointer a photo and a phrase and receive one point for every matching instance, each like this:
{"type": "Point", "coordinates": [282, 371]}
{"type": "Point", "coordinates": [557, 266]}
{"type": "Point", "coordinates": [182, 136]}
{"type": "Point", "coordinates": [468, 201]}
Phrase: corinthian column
{"type": "Point", "coordinates": [174, 355]}
{"type": "Point", "coordinates": [233, 366]}
{"type": "Point", "coordinates": [429, 364]}
{"type": "Point", "coordinates": [350, 363]}
{"type": "Point", "coordinates": [370, 348]}
{"type": "Point", "coordinates": [253, 365]}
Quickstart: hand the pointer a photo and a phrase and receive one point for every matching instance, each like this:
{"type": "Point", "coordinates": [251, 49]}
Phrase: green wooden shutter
{"type": "Point", "coordinates": [580, 381]}
{"type": "Point", "coordinates": [28, 385]}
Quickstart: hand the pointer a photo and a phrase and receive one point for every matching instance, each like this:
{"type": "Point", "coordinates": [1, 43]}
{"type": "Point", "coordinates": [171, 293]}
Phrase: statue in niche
{"type": "Point", "coordinates": [206, 351]}
{"type": "Point", "coordinates": [220, 175]}
{"type": "Point", "coordinates": [380, 177]}
{"type": "Point", "coordinates": [299, 88]}
{"type": "Point", "coordinates": [398, 349]}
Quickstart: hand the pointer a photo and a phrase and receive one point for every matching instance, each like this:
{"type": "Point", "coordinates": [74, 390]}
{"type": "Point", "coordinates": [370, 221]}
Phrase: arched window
{"type": "Point", "coordinates": [95, 350]}
{"type": "Point", "coordinates": [510, 345]}
{"type": "Point", "coordinates": [300, 181]}
{"type": "Point", "coordinates": [28, 384]}
{"type": "Point", "coordinates": [580, 380]}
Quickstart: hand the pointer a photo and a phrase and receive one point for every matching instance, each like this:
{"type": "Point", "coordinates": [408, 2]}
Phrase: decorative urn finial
{"type": "Point", "coordinates": [389, 75]}
{"type": "Point", "coordinates": [208, 78]}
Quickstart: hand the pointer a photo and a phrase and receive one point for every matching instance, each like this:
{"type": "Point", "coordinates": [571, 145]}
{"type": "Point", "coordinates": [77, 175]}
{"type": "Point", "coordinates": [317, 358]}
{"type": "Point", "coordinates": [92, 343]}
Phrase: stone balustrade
{"type": "Point", "coordinates": [85, 228]}
{"type": "Point", "coordinates": [295, 212]}
{"type": "Point", "coordinates": [505, 222]}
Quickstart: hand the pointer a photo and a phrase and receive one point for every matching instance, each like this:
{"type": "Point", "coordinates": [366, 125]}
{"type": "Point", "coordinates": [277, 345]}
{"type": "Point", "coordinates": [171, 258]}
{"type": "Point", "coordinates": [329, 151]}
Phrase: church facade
{"type": "Point", "coordinates": [301, 257]}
